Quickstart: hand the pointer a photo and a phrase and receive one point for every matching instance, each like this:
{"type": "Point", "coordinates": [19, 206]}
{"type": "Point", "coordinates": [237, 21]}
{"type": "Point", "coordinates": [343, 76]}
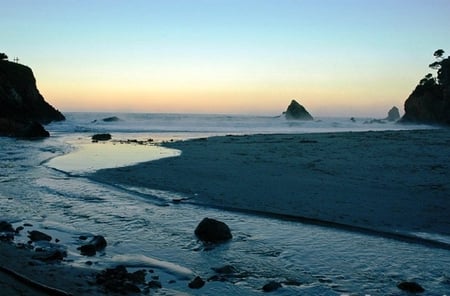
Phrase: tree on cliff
{"type": "Point", "coordinates": [3, 56]}
{"type": "Point", "coordinates": [430, 100]}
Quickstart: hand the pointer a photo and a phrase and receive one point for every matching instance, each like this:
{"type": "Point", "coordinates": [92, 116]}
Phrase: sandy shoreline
{"type": "Point", "coordinates": [395, 181]}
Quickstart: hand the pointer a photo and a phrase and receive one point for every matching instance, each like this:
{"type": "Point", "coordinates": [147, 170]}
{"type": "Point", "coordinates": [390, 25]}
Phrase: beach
{"type": "Point", "coordinates": [295, 203]}
{"type": "Point", "coordinates": [394, 181]}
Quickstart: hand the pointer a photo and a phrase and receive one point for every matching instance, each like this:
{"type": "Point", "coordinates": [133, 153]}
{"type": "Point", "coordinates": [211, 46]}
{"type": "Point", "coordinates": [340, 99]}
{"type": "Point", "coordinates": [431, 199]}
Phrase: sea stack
{"type": "Point", "coordinates": [393, 114]}
{"type": "Point", "coordinates": [23, 109]}
{"type": "Point", "coordinates": [297, 111]}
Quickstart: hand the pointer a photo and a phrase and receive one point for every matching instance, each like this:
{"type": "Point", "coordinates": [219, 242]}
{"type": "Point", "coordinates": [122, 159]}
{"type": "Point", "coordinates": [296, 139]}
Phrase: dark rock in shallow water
{"type": "Point", "coordinates": [393, 114]}
{"type": "Point", "coordinates": [410, 287]}
{"type": "Point", "coordinates": [196, 283]}
{"type": "Point", "coordinates": [101, 137]}
{"type": "Point", "coordinates": [297, 111]}
{"type": "Point", "coordinates": [6, 227]}
{"type": "Point", "coordinates": [211, 230]}
{"type": "Point", "coordinates": [6, 231]}
{"type": "Point", "coordinates": [35, 236]}
{"type": "Point", "coordinates": [271, 286]}
{"type": "Point", "coordinates": [97, 243]}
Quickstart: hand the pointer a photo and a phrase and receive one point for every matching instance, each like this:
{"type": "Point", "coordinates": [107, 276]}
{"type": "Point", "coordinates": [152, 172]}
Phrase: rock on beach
{"type": "Point", "coordinates": [213, 231]}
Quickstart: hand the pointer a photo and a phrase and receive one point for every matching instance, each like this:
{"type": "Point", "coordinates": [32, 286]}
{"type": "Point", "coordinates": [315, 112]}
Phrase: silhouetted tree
{"type": "Point", "coordinates": [3, 56]}
{"type": "Point", "coordinates": [428, 80]}
{"type": "Point", "coordinates": [438, 65]}
{"type": "Point", "coordinates": [438, 54]}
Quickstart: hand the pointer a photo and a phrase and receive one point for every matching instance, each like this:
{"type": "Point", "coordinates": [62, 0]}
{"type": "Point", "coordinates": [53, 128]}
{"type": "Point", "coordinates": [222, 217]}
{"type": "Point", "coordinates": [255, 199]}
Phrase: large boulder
{"type": "Point", "coordinates": [213, 231]}
{"type": "Point", "coordinates": [297, 111]}
{"type": "Point", "coordinates": [393, 114]}
{"type": "Point", "coordinates": [23, 109]}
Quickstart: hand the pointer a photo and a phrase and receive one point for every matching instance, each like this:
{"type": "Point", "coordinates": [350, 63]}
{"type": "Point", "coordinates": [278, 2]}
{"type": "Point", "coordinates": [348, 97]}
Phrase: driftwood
{"type": "Point", "coordinates": [29, 282]}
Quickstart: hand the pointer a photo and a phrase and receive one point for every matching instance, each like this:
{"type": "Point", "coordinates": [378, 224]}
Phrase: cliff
{"type": "Point", "coordinates": [22, 108]}
{"type": "Point", "coordinates": [430, 101]}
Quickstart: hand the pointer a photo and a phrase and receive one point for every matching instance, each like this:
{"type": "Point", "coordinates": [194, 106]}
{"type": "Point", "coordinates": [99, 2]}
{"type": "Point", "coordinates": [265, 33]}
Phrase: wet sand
{"type": "Point", "coordinates": [394, 181]}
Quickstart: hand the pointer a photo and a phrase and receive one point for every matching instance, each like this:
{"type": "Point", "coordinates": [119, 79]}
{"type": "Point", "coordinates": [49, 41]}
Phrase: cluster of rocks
{"type": "Point", "coordinates": [23, 110]}
{"type": "Point", "coordinates": [42, 244]}
{"type": "Point", "coordinates": [119, 280]}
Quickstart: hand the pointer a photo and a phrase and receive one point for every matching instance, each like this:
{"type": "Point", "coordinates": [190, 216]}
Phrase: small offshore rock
{"type": "Point", "coordinates": [211, 230]}
{"type": "Point", "coordinates": [36, 235]}
{"type": "Point", "coordinates": [111, 119]}
{"type": "Point", "coordinates": [197, 283]}
{"type": "Point", "coordinates": [271, 286]}
{"type": "Point", "coordinates": [411, 287]}
{"type": "Point", "coordinates": [19, 229]}
{"type": "Point", "coordinates": [101, 137]}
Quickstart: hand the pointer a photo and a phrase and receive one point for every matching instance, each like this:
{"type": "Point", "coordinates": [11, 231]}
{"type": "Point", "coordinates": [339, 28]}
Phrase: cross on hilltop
{"type": "Point", "coordinates": [16, 59]}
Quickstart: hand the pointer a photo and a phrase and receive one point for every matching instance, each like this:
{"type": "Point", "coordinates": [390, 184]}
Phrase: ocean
{"type": "Point", "coordinates": [45, 183]}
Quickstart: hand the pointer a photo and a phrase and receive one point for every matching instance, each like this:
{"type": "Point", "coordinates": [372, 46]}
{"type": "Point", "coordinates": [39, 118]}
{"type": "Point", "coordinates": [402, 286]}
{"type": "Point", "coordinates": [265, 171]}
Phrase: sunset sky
{"type": "Point", "coordinates": [341, 57]}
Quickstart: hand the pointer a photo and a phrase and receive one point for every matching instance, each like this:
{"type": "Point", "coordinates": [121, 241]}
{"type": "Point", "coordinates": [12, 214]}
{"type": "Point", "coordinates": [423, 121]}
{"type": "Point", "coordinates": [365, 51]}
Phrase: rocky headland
{"type": "Point", "coordinates": [23, 110]}
{"type": "Point", "coordinates": [429, 103]}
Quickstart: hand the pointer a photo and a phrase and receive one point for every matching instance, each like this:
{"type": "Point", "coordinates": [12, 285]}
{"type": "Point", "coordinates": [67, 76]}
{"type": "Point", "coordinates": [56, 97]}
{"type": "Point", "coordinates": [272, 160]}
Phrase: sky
{"type": "Point", "coordinates": [335, 57]}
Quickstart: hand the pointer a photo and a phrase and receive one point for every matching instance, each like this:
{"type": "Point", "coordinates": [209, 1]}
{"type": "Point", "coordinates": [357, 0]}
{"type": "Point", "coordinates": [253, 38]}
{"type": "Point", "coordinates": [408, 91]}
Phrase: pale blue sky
{"type": "Point", "coordinates": [336, 57]}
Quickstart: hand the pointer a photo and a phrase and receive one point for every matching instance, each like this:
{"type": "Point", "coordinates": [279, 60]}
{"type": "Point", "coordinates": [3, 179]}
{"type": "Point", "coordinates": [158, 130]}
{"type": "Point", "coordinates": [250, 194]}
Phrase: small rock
{"type": "Point", "coordinates": [197, 283]}
{"type": "Point", "coordinates": [211, 230]}
{"type": "Point", "coordinates": [271, 286]}
{"type": "Point", "coordinates": [410, 287]}
{"type": "Point", "coordinates": [36, 235]}
{"type": "Point", "coordinates": [6, 227]}
{"type": "Point", "coordinates": [97, 243]}
{"type": "Point", "coordinates": [19, 229]}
